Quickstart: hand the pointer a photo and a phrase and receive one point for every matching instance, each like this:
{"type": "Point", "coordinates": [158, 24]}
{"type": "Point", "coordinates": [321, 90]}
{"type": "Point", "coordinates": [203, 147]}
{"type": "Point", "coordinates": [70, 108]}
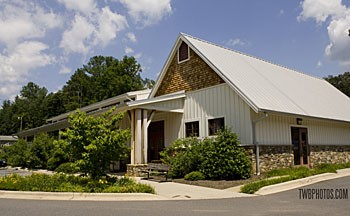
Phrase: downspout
{"type": "Point", "coordinates": [255, 143]}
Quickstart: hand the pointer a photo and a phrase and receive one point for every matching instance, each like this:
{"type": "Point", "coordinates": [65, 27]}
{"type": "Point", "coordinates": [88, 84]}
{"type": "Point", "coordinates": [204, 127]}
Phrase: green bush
{"type": "Point", "coordinates": [59, 154]}
{"type": "Point", "coordinates": [68, 168]}
{"type": "Point", "coordinates": [39, 151]}
{"type": "Point", "coordinates": [70, 183]}
{"type": "Point", "coordinates": [183, 155]}
{"type": "Point", "coordinates": [15, 155]}
{"type": "Point", "coordinates": [252, 187]}
{"type": "Point", "coordinates": [223, 158]}
{"type": "Point", "coordinates": [291, 174]}
{"type": "Point", "coordinates": [217, 158]}
{"type": "Point", "coordinates": [194, 176]}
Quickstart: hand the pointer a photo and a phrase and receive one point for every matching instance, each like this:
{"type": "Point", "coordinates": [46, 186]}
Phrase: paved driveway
{"type": "Point", "coordinates": [7, 171]}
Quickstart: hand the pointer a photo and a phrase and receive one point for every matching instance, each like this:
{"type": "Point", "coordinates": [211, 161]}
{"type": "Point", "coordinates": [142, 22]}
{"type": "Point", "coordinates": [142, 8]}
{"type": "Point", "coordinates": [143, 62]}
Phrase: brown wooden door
{"type": "Point", "coordinates": [300, 145]}
{"type": "Point", "coordinates": [155, 140]}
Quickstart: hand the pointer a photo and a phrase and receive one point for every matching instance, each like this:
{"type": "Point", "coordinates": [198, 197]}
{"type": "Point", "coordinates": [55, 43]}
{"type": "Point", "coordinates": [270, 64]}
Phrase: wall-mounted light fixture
{"type": "Point", "coordinates": [299, 121]}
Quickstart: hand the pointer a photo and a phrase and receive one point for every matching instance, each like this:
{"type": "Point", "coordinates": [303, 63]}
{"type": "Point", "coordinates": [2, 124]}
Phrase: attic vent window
{"type": "Point", "coordinates": [183, 52]}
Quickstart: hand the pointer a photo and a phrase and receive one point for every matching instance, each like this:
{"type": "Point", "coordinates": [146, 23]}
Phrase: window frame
{"type": "Point", "coordinates": [213, 118]}
{"type": "Point", "coordinates": [191, 122]}
{"type": "Point", "coordinates": [178, 53]}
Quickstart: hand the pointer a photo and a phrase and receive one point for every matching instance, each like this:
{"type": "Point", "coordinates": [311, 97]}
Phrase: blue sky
{"type": "Point", "coordinates": [46, 41]}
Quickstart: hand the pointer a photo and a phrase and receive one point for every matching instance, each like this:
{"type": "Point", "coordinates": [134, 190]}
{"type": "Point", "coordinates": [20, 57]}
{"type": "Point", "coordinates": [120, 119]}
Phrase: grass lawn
{"type": "Point", "coordinates": [70, 183]}
{"type": "Point", "coordinates": [291, 174]}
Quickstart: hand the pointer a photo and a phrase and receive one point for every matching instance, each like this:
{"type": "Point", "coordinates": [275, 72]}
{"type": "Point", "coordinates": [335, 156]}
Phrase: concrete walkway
{"type": "Point", "coordinates": [173, 191]}
{"type": "Point", "coordinates": [177, 191]}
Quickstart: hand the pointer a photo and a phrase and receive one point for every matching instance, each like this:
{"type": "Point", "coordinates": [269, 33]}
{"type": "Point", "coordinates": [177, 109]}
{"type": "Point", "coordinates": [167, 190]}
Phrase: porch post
{"type": "Point", "coordinates": [138, 138]}
{"type": "Point", "coordinates": [132, 143]}
{"type": "Point", "coordinates": [145, 136]}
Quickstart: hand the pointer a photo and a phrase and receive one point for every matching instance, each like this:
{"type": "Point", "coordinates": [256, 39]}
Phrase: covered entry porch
{"type": "Point", "coordinates": [154, 123]}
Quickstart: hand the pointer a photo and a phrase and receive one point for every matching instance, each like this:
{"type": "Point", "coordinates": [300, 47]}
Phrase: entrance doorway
{"type": "Point", "coordinates": [155, 140]}
{"type": "Point", "coordinates": [300, 145]}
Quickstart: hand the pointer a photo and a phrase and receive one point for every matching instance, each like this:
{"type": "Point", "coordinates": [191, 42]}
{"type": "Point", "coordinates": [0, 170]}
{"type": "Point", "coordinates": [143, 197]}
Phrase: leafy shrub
{"type": "Point", "coordinates": [223, 158]}
{"type": "Point", "coordinates": [252, 187]}
{"type": "Point", "coordinates": [39, 151]}
{"type": "Point", "coordinates": [59, 155]}
{"type": "Point", "coordinates": [291, 174]}
{"type": "Point", "coordinates": [68, 168]}
{"type": "Point", "coordinates": [130, 188]}
{"type": "Point", "coordinates": [70, 183]}
{"type": "Point", "coordinates": [217, 158]}
{"type": "Point", "coordinates": [194, 176]}
{"type": "Point", "coordinates": [183, 156]}
{"type": "Point", "coordinates": [15, 155]}
{"type": "Point", "coordinates": [96, 141]}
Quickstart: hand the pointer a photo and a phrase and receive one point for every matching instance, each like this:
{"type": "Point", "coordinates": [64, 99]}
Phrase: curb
{"type": "Point", "coordinates": [289, 185]}
{"type": "Point", "coordinates": [79, 196]}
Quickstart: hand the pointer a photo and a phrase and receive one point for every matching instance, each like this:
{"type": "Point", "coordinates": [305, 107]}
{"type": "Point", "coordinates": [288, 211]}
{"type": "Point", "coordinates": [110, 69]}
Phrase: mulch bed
{"type": "Point", "coordinates": [219, 184]}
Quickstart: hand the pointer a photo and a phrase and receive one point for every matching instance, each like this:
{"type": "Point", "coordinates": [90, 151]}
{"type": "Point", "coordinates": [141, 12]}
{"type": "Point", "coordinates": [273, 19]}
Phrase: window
{"type": "Point", "coordinates": [192, 129]}
{"type": "Point", "coordinates": [215, 125]}
{"type": "Point", "coordinates": [183, 52]}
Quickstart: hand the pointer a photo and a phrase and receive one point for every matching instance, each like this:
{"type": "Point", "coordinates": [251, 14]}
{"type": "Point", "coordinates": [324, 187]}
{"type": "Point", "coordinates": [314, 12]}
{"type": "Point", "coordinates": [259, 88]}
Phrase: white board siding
{"type": "Point", "coordinates": [218, 101]}
{"type": "Point", "coordinates": [172, 104]}
{"type": "Point", "coordinates": [329, 133]}
{"type": "Point", "coordinates": [276, 130]}
{"type": "Point", "coordinates": [172, 126]}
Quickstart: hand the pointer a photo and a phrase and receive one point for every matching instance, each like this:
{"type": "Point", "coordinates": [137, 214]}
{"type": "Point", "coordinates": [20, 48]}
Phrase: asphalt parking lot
{"type": "Point", "coordinates": [8, 170]}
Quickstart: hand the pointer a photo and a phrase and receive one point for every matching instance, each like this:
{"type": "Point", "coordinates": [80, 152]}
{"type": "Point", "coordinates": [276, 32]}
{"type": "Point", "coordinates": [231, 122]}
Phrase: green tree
{"type": "Point", "coordinates": [15, 154]}
{"type": "Point", "coordinates": [96, 141]}
{"type": "Point", "coordinates": [55, 104]}
{"type": "Point", "coordinates": [60, 154]}
{"type": "Point", "coordinates": [341, 82]}
{"type": "Point", "coordinates": [9, 123]}
{"type": "Point", "coordinates": [39, 152]}
{"type": "Point", "coordinates": [101, 78]}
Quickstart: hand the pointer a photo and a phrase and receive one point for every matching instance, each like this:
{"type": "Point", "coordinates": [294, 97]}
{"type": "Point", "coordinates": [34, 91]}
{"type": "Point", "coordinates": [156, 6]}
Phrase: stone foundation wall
{"type": "Point", "coordinates": [329, 154]}
{"type": "Point", "coordinates": [271, 157]}
{"type": "Point", "coordinates": [135, 170]}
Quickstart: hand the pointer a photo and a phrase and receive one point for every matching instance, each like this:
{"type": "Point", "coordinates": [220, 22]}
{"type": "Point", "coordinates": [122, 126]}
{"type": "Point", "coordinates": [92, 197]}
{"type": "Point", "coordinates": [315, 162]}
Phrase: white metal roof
{"type": "Point", "coordinates": [270, 87]}
{"type": "Point", "coordinates": [134, 95]}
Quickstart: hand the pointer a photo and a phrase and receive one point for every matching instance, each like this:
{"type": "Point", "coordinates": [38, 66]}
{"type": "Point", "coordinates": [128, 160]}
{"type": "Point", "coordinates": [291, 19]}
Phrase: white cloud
{"type": "Point", "coordinates": [339, 42]}
{"type": "Point", "coordinates": [236, 42]}
{"type": "Point", "coordinates": [128, 50]}
{"type": "Point", "coordinates": [338, 25]}
{"type": "Point", "coordinates": [131, 37]}
{"type": "Point", "coordinates": [147, 12]}
{"type": "Point", "coordinates": [23, 24]}
{"type": "Point", "coordinates": [97, 29]}
{"type": "Point", "coordinates": [20, 20]}
{"type": "Point", "coordinates": [281, 12]}
{"type": "Point", "coordinates": [15, 66]}
{"type": "Point", "coordinates": [84, 6]}
{"type": "Point", "coordinates": [138, 55]}
{"type": "Point", "coordinates": [65, 70]}
{"type": "Point", "coordinates": [319, 64]}
{"type": "Point", "coordinates": [75, 38]}
{"type": "Point", "coordinates": [109, 24]}
{"type": "Point", "coordinates": [320, 10]}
